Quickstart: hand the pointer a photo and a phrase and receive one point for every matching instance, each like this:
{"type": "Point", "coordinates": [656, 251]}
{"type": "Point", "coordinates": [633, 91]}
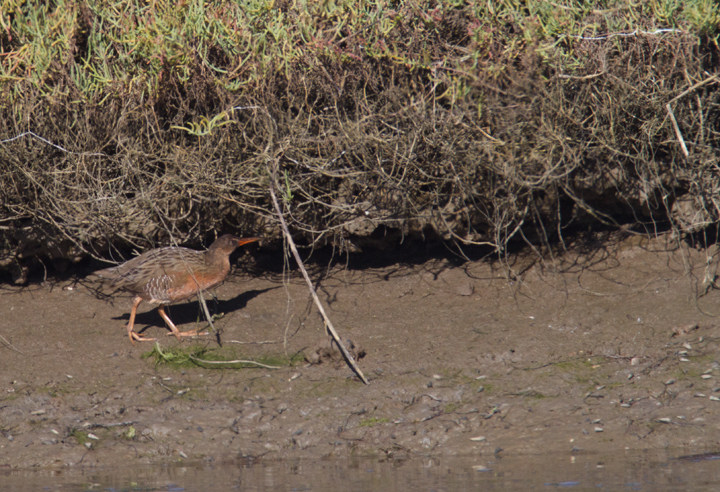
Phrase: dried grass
{"type": "Point", "coordinates": [449, 125]}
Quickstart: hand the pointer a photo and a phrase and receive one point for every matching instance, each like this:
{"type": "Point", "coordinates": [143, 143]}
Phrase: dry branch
{"type": "Point", "coordinates": [10, 345]}
{"type": "Point", "coordinates": [228, 362]}
{"type": "Point", "coordinates": [328, 324]}
{"type": "Point", "coordinates": [677, 130]}
{"type": "Point", "coordinates": [393, 156]}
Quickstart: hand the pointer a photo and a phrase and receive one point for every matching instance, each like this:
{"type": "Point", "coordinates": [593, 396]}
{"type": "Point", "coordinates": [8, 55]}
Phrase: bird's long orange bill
{"type": "Point", "coordinates": [248, 240]}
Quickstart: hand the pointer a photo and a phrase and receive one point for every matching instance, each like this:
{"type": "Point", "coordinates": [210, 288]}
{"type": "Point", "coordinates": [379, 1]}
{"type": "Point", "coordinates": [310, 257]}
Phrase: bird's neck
{"type": "Point", "coordinates": [216, 260]}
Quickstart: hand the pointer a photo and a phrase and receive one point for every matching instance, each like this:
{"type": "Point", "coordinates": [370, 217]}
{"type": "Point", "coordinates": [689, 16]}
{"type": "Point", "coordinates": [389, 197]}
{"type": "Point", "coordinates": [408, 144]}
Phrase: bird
{"type": "Point", "coordinates": [171, 274]}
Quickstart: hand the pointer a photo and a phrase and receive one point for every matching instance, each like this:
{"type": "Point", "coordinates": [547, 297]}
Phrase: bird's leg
{"type": "Point", "coordinates": [131, 334]}
{"type": "Point", "coordinates": [179, 334]}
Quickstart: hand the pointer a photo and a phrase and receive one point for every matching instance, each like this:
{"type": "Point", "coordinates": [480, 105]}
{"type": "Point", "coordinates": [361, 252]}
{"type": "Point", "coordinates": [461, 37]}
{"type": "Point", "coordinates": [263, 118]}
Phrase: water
{"type": "Point", "coordinates": [644, 471]}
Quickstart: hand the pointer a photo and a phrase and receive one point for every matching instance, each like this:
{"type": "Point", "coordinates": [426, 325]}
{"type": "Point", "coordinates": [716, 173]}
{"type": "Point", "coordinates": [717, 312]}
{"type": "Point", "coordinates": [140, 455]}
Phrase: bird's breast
{"type": "Point", "coordinates": [174, 287]}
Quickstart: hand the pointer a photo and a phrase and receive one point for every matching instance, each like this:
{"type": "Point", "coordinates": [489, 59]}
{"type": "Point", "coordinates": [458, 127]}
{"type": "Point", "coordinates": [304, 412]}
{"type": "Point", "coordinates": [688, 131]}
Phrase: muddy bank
{"type": "Point", "coordinates": [596, 352]}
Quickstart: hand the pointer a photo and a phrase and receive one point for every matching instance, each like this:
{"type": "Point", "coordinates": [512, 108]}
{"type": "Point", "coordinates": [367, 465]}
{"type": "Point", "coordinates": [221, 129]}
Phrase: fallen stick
{"type": "Point", "coordinates": [10, 345]}
{"type": "Point", "coordinates": [265, 342]}
{"type": "Point", "coordinates": [677, 130]}
{"type": "Point", "coordinates": [328, 324]}
{"type": "Point", "coordinates": [226, 362]}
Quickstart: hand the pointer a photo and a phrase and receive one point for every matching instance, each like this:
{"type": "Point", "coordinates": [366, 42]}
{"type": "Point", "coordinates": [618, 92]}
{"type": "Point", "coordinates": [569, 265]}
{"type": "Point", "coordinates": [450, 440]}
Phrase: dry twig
{"type": "Point", "coordinates": [10, 345]}
{"type": "Point", "coordinates": [349, 358]}
{"type": "Point", "coordinates": [677, 130]}
{"type": "Point", "coordinates": [226, 362]}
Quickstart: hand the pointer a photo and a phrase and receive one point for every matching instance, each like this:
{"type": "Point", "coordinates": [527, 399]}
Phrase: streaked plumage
{"type": "Point", "coordinates": [166, 275]}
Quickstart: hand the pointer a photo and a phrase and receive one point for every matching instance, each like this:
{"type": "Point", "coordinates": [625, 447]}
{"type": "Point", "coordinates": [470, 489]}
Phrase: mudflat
{"type": "Point", "coordinates": [613, 347]}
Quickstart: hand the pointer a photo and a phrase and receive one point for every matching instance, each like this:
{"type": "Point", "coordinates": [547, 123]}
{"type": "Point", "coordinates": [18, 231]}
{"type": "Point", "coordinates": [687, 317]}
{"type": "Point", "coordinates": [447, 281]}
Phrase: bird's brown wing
{"type": "Point", "coordinates": [135, 274]}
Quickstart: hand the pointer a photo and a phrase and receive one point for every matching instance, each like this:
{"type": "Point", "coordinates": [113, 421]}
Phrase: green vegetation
{"type": "Point", "coordinates": [372, 421]}
{"type": "Point", "coordinates": [483, 122]}
{"type": "Point", "coordinates": [129, 433]}
{"type": "Point", "coordinates": [194, 356]}
{"type": "Point", "coordinates": [80, 436]}
{"type": "Point", "coordinates": [175, 357]}
{"type": "Point", "coordinates": [111, 48]}
{"type": "Point", "coordinates": [451, 407]}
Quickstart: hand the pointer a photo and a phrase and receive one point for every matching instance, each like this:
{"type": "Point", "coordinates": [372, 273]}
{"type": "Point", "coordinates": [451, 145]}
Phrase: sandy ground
{"type": "Point", "coordinates": [605, 348]}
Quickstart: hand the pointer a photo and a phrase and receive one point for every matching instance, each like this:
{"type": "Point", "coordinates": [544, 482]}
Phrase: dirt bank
{"type": "Point", "coordinates": [580, 356]}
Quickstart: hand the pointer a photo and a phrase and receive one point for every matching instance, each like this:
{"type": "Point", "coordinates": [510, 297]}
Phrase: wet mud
{"type": "Point", "coordinates": [604, 350]}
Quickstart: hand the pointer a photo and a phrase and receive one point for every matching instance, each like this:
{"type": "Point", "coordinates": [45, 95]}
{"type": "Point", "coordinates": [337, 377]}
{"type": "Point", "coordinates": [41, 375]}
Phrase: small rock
{"type": "Point", "coordinates": [683, 329]}
{"type": "Point", "coordinates": [271, 446]}
{"type": "Point", "coordinates": [326, 350]}
{"type": "Point", "coordinates": [466, 289]}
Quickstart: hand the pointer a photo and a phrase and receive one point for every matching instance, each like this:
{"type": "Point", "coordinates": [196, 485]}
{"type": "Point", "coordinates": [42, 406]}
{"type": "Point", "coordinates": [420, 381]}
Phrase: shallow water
{"type": "Point", "coordinates": [644, 471]}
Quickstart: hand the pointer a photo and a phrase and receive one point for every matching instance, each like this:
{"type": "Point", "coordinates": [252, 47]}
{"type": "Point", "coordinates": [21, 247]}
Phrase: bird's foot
{"type": "Point", "coordinates": [134, 336]}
